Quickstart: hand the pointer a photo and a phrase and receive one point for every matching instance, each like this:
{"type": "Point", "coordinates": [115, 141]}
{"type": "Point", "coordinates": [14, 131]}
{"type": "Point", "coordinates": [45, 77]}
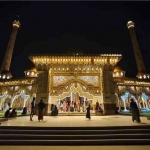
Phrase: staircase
{"type": "Point", "coordinates": [74, 136]}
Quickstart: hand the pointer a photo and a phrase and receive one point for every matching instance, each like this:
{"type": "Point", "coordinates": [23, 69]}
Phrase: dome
{"type": "Point", "coordinates": [32, 69]}
{"type": "Point", "coordinates": [118, 69]}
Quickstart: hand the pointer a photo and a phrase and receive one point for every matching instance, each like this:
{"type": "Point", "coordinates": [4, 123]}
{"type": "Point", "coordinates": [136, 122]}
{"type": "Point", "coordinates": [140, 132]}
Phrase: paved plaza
{"type": "Point", "coordinates": [58, 121]}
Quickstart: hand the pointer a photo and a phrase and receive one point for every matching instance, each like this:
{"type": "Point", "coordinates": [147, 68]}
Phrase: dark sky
{"type": "Point", "coordinates": [93, 27]}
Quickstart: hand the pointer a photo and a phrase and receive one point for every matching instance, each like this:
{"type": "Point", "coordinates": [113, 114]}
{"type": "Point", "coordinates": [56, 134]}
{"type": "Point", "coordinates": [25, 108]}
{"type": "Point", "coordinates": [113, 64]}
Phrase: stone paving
{"type": "Point", "coordinates": [116, 120]}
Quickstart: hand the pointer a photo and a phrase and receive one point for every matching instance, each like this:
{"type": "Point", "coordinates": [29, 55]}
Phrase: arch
{"type": "Point", "coordinates": [143, 90]}
{"type": "Point", "coordinates": [72, 81]}
{"type": "Point", "coordinates": [76, 89]}
{"type": "Point", "coordinates": [18, 103]}
{"type": "Point", "coordinates": [28, 102]}
{"type": "Point", "coordinates": [19, 100]}
{"type": "Point", "coordinates": [44, 67]}
{"type": "Point", "coordinates": [144, 98]}
{"type": "Point", "coordinates": [3, 97]}
{"type": "Point", "coordinates": [77, 98]}
{"type": "Point", "coordinates": [124, 97]}
{"type": "Point", "coordinates": [39, 67]}
{"type": "Point", "coordinates": [65, 87]}
{"type": "Point", "coordinates": [5, 103]}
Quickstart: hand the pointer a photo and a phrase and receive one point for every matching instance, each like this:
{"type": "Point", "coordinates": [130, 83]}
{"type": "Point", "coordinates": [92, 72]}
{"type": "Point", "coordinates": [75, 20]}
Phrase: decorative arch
{"type": "Point", "coordinates": [143, 90]}
{"type": "Point", "coordinates": [2, 98]}
{"type": "Point", "coordinates": [76, 89]}
{"type": "Point", "coordinates": [76, 82]}
{"type": "Point", "coordinates": [144, 98]}
{"type": "Point", "coordinates": [39, 67]}
{"type": "Point", "coordinates": [44, 67]}
{"type": "Point", "coordinates": [66, 87]}
{"type": "Point", "coordinates": [19, 100]}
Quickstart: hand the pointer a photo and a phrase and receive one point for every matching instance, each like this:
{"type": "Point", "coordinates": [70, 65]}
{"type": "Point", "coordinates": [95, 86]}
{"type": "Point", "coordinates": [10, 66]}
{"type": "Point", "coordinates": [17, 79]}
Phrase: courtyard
{"type": "Point", "coordinates": [58, 121]}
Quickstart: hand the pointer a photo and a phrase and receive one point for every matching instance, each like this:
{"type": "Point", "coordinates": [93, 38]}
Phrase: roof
{"type": "Point", "coordinates": [117, 68]}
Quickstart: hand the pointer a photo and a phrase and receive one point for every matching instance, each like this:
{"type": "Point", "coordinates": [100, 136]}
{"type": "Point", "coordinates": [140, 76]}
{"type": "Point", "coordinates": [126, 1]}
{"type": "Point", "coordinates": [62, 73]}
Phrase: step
{"type": "Point", "coordinates": [73, 132]}
{"type": "Point", "coordinates": [77, 142]}
{"type": "Point", "coordinates": [76, 128]}
{"type": "Point", "coordinates": [72, 137]}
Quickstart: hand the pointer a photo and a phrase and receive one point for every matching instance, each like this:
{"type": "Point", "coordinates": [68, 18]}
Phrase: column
{"type": "Point", "coordinates": [9, 51]}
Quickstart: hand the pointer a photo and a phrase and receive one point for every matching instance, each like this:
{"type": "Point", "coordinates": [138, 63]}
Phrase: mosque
{"type": "Point", "coordinates": [76, 78]}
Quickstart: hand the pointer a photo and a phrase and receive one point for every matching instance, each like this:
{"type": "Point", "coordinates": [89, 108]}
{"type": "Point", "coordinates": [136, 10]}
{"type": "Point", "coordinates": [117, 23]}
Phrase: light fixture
{"type": "Point", "coordinates": [32, 73]}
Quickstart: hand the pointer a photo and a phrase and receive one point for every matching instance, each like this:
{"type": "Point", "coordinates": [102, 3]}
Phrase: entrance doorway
{"type": "Point", "coordinates": [73, 103]}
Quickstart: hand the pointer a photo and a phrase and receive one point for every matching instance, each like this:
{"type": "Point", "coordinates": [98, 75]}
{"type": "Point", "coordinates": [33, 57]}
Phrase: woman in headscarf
{"type": "Point", "coordinates": [88, 115]}
{"type": "Point", "coordinates": [135, 111]}
{"type": "Point", "coordinates": [41, 106]}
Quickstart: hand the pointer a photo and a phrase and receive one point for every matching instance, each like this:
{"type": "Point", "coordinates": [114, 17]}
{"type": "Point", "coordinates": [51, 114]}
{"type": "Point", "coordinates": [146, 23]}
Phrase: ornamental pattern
{"type": "Point", "coordinates": [90, 80]}
{"type": "Point", "coordinates": [61, 80]}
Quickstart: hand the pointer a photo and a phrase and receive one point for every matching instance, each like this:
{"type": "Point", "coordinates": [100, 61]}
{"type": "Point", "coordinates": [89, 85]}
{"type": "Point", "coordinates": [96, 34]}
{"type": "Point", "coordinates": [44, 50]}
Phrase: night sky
{"type": "Point", "coordinates": [59, 27]}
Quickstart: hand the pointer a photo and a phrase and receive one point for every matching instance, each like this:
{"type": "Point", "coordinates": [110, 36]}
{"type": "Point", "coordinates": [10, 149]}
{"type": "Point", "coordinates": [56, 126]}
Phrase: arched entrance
{"type": "Point", "coordinates": [5, 103]}
{"type": "Point", "coordinates": [18, 103]}
{"type": "Point", "coordinates": [75, 100]}
{"type": "Point", "coordinates": [19, 100]}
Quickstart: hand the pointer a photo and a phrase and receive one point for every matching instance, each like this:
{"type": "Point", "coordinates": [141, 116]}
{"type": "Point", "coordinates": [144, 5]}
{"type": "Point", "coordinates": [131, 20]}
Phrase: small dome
{"type": "Point", "coordinates": [32, 69]}
{"type": "Point", "coordinates": [117, 68]}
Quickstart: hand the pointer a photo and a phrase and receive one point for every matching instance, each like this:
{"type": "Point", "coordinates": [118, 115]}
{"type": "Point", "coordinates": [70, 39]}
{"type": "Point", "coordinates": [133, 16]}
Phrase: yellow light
{"type": "Point", "coordinates": [15, 25]}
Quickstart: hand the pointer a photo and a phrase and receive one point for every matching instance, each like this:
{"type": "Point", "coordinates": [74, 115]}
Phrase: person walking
{"type": "Point", "coordinates": [135, 111]}
{"type": "Point", "coordinates": [32, 109]}
{"type": "Point", "coordinates": [88, 115]}
{"type": "Point", "coordinates": [41, 106]}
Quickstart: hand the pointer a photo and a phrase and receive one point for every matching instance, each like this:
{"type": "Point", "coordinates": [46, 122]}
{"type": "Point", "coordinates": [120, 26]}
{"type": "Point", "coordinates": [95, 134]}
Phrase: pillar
{"type": "Point", "coordinates": [42, 90]}
{"type": "Point", "coordinates": [109, 98]}
{"type": "Point", "coordinates": [138, 57]}
{"type": "Point", "coordinates": [5, 74]}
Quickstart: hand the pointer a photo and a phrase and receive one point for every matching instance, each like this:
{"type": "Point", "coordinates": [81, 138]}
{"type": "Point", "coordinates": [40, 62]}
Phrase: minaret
{"type": "Point", "coordinates": [5, 73]}
{"type": "Point", "coordinates": [138, 57]}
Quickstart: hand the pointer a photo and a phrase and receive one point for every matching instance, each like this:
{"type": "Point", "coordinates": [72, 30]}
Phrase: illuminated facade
{"type": "Point", "coordinates": [75, 78]}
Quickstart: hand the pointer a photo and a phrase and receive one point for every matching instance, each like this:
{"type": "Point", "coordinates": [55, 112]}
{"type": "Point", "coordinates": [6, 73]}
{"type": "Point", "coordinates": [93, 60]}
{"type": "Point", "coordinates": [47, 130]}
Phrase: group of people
{"type": "Point", "coordinates": [41, 107]}
{"type": "Point", "coordinates": [13, 113]}
{"type": "Point", "coordinates": [54, 110]}
{"type": "Point", "coordinates": [98, 108]}
{"type": "Point", "coordinates": [133, 108]}
{"type": "Point", "coordinates": [10, 113]}
{"type": "Point", "coordinates": [72, 106]}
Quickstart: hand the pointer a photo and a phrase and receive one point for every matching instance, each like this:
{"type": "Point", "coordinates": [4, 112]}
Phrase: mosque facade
{"type": "Point", "coordinates": [77, 78]}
